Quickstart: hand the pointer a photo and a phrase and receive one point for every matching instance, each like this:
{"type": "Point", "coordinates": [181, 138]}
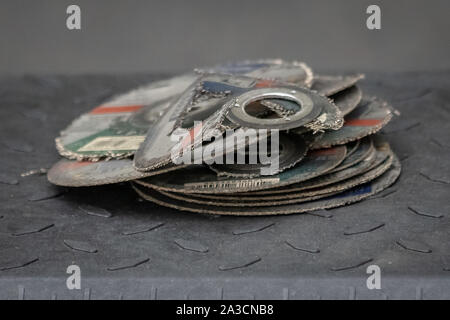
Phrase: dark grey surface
{"type": "Point", "coordinates": [175, 35]}
{"type": "Point", "coordinates": [127, 248]}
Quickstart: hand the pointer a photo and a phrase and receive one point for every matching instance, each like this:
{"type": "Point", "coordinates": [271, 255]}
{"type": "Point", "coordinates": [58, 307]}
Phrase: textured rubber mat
{"type": "Point", "coordinates": [131, 249]}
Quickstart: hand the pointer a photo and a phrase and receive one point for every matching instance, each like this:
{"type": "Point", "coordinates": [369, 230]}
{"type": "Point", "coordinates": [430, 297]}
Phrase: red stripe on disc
{"type": "Point", "coordinates": [265, 83]}
{"type": "Point", "coordinates": [118, 109]}
{"type": "Point", "coordinates": [362, 122]}
{"type": "Point", "coordinates": [75, 164]}
{"type": "Point", "coordinates": [323, 152]}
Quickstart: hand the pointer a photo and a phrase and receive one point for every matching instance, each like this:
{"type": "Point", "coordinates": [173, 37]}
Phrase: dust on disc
{"type": "Point", "coordinates": [369, 117]}
{"type": "Point", "coordinates": [345, 101]}
{"type": "Point", "coordinates": [107, 132]}
{"type": "Point", "coordinates": [374, 158]}
{"type": "Point", "coordinates": [116, 128]}
{"type": "Point", "coordinates": [293, 197]}
{"type": "Point", "coordinates": [295, 72]}
{"type": "Point", "coordinates": [158, 146]}
{"type": "Point", "coordinates": [365, 146]}
{"type": "Point", "coordinates": [329, 85]}
{"type": "Point", "coordinates": [348, 99]}
{"type": "Point", "coordinates": [374, 153]}
{"type": "Point", "coordinates": [351, 147]}
{"type": "Point", "coordinates": [204, 180]}
{"type": "Point", "coordinates": [353, 195]}
{"type": "Point", "coordinates": [71, 173]}
{"type": "Point", "coordinates": [316, 186]}
{"type": "Point", "coordinates": [292, 149]}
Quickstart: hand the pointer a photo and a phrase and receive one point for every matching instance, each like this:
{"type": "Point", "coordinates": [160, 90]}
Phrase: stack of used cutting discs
{"type": "Point", "coordinates": [249, 138]}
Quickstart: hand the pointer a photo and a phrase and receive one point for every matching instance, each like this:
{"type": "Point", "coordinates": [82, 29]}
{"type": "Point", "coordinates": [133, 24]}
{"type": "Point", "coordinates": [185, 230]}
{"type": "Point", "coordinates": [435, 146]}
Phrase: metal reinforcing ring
{"type": "Point", "coordinates": [238, 115]}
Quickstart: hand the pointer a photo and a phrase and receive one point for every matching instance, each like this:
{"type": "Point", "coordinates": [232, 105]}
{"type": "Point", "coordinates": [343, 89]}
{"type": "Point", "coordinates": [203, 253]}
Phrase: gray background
{"type": "Point", "coordinates": [171, 36]}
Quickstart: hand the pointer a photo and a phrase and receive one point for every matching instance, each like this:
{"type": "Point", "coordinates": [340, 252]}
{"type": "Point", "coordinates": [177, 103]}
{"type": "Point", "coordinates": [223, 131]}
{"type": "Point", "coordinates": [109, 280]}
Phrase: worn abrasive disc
{"type": "Point", "coordinates": [329, 85]}
{"type": "Point", "coordinates": [236, 92]}
{"type": "Point", "coordinates": [365, 147]}
{"type": "Point", "coordinates": [309, 187]}
{"type": "Point", "coordinates": [204, 180]}
{"type": "Point", "coordinates": [116, 128]}
{"type": "Point", "coordinates": [282, 199]}
{"type": "Point", "coordinates": [295, 72]}
{"type": "Point", "coordinates": [373, 156]}
{"type": "Point", "coordinates": [292, 148]}
{"type": "Point", "coordinates": [347, 100]}
{"type": "Point", "coordinates": [71, 173]}
{"type": "Point", "coordinates": [351, 147]}
{"type": "Point", "coordinates": [369, 117]}
{"type": "Point", "coordinates": [355, 194]}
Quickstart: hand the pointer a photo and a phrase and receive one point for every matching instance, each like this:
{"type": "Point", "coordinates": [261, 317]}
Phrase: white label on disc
{"type": "Point", "coordinates": [113, 143]}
